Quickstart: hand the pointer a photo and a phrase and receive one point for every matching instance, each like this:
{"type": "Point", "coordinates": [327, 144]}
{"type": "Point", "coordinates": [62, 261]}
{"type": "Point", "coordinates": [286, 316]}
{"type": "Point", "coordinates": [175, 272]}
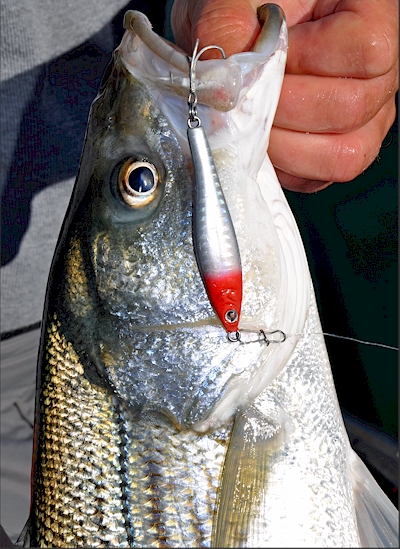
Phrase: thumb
{"type": "Point", "coordinates": [233, 27]}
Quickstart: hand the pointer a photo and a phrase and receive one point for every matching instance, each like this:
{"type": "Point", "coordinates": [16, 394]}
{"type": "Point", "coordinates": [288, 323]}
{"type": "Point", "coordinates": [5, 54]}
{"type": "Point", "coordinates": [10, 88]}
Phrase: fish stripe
{"type": "Point", "coordinates": [124, 473]}
{"type": "Point", "coordinates": [78, 485]}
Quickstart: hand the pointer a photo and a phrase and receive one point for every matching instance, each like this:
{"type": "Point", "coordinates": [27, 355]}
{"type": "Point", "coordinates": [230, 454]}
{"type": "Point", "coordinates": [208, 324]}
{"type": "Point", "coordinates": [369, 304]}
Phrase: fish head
{"type": "Point", "coordinates": [129, 172]}
{"type": "Point", "coordinates": [132, 202]}
{"type": "Point", "coordinates": [125, 275]}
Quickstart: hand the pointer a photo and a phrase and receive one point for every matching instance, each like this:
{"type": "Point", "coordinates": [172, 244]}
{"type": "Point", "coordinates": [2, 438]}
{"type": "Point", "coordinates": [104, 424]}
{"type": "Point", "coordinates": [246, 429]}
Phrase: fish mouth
{"type": "Point", "coordinates": [220, 80]}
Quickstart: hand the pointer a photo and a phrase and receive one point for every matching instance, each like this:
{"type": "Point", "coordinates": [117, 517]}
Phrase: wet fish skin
{"type": "Point", "coordinates": [106, 425]}
{"type": "Point", "coordinates": [93, 489]}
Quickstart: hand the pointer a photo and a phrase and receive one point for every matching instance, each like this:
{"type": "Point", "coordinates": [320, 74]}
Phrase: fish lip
{"type": "Point", "coordinates": [219, 80]}
{"type": "Point", "coordinates": [138, 23]}
{"type": "Point", "coordinates": [175, 76]}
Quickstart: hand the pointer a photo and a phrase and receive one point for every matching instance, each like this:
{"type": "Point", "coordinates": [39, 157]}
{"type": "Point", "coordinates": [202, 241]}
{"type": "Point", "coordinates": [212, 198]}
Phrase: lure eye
{"type": "Point", "coordinates": [137, 183]}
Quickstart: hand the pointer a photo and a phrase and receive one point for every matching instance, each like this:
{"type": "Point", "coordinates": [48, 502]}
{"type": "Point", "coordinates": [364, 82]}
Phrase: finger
{"type": "Point", "coordinates": [358, 40]}
{"type": "Point", "coordinates": [232, 26]}
{"type": "Point", "coordinates": [332, 105]}
{"type": "Point", "coordinates": [299, 184]}
{"type": "Point", "coordinates": [180, 25]}
{"type": "Point", "coordinates": [328, 157]}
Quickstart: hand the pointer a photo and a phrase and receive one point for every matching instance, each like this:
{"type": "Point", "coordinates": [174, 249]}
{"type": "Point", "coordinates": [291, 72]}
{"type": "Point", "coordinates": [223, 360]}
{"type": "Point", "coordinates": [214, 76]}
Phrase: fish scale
{"type": "Point", "coordinates": [316, 447]}
{"type": "Point", "coordinates": [79, 449]}
{"type": "Point", "coordinates": [171, 477]}
{"type": "Point", "coordinates": [174, 478]}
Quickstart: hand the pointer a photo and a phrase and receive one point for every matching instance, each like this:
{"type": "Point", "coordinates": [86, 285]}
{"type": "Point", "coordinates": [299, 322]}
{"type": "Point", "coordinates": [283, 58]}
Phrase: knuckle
{"type": "Point", "coordinates": [356, 108]}
{"type": "Point", "coordinates": [353, 153]}
{"type": "Point", "coordinates": [351, 158]}
{"type": "Point", "coordinates": [380, 53]}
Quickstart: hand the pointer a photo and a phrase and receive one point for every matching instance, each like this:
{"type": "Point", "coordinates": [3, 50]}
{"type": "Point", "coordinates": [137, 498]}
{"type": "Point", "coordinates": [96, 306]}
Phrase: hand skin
{"type": "Point", "coordinates": [337, 101]}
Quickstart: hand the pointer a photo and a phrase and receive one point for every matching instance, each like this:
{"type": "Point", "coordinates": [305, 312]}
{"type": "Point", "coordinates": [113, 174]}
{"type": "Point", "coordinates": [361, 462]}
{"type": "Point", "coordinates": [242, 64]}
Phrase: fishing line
{"type": "Point", "coordinates": [383, 345]}
{"type": "Point", "coordinates": [244, 336]}
{"type": "Point", "coordinates": [253, 336]}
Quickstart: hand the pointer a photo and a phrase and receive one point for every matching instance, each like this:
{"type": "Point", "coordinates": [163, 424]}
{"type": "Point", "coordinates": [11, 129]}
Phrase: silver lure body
{"type": "Point", "coordinates": [152, 428]}
{"type": "Point", "coordinates": [214, 236]}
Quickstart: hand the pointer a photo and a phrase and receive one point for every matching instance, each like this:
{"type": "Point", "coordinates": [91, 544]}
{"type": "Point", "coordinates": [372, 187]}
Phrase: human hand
{"type": "Point", "coordinates": [337, 101]}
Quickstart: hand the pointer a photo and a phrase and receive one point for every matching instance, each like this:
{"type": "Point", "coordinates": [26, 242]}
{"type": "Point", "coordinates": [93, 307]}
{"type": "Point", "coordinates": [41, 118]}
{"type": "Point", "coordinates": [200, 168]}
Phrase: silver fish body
{"type": "Point", "coordinates": [108, 469]}
{"type": "Point", "coordinates": [152, 427]}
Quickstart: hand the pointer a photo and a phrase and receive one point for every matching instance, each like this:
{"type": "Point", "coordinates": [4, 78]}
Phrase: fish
{"type": "Point", "coordinates": [155, 424]}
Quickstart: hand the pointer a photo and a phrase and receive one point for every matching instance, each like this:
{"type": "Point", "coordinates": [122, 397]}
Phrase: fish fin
{"type": "Point", "coordinates": [377, 517]}
{"type": "Point", "coordinates": [255, 445]}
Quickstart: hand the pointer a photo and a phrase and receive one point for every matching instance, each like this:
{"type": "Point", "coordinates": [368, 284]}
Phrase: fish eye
{"type": "Point", "coordinates": [137, 182]}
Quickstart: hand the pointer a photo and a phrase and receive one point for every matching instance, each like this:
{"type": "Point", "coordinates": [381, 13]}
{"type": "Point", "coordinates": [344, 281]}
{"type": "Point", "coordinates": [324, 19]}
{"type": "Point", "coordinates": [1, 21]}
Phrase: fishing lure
{"type": "Point", "coordinates": [215, 242]}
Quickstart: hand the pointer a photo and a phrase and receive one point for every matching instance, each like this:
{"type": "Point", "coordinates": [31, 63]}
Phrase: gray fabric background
{"type": "Point", "coordinates": [45, 96]}
{"type": "Point", "coordinates": [18, 374]}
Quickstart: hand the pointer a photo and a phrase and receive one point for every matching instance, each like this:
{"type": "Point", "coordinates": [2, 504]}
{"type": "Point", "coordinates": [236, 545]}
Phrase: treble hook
{"type": "Point", "coordinates": [192, 99]}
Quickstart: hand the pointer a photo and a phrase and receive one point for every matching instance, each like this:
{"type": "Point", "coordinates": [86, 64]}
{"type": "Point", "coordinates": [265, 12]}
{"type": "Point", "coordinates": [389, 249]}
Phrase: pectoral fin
{"type": "Point", "coordinates": [255, 445]}
{"type": "Point", "coordinates": [377, 517]}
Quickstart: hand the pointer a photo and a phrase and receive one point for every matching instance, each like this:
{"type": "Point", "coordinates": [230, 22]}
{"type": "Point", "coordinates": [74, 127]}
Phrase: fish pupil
{"type": "Point", "coordinates": [141, 180]}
